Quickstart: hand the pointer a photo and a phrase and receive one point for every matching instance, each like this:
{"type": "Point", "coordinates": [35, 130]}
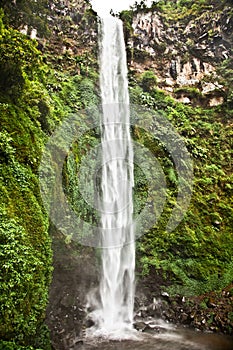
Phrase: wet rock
{"type": "Point", "coordinates": [79, 342]}
{"type": "Point", "coordinates": [184, 318]}
{"type": "Point", "coordinates": [67, 300]}
{"type": "Point", "coordinates": [166, 297]}
{"type": "Point", "coordinates": [211, 303]}
{"type": "Point", "coordinates": [210, 312]}
{"type": "Point", "coordinates": [140, 326]}
{"type": "Point", "coordinates": [89, 323]}
{"type": "Point", "coordinates": [173, 70]}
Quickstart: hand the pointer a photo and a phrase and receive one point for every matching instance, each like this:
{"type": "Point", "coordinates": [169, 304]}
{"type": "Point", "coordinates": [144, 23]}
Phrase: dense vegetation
{"type": "Point", "coordinates": [199, 252]}
{"type": "Point", "coordinates": [34, 98]}
{"type": "Point", "coordinates": [25, 244]}
{"type": "Point", "coordinates": [37, 92]}
{"type": "Point", "coordinates": [179, 8]}
{"type": "Point", "coordinates": [30, 13]}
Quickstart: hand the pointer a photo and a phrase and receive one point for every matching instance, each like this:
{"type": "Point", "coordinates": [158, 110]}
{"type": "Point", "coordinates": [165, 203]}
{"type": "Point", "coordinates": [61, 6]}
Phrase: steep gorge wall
{"type": "Point", "coordinates": [183, 52]}
{"type": "Point", "coordinates": [73, 27]}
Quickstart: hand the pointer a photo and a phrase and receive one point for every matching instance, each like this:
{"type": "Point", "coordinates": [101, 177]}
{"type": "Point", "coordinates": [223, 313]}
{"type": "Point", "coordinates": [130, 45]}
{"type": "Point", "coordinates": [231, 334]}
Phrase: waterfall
{"type": "Point", "coordinates": [114, 315]}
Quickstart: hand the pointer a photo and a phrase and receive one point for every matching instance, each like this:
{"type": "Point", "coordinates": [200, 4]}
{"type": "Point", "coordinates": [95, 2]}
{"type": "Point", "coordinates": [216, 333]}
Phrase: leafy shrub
{"type": "Point", "coordinates": [34, 13]}
{"type": "Point", "coordinates": [21, 294]}
{"type": "Point", "coordinates": [5, 345]}
{"type": "Point", "coordinates": [148, 80]}
{"type": "Point", "coordinates": [18, 56]}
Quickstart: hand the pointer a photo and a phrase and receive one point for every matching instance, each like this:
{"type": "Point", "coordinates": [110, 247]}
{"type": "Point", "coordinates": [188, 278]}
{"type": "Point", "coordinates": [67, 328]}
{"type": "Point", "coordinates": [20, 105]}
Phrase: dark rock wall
{"type": "Point", "coordinates": [69, 27]}
{"type": "Point", "coordinates": [182, 52]}
{"type": "Point", "coordinates": [73, 27]}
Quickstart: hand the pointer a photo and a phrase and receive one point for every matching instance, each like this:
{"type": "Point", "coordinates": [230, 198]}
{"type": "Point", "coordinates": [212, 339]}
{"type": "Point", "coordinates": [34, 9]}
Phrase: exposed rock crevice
{"type": "Point", "coordinates": [182, 53]}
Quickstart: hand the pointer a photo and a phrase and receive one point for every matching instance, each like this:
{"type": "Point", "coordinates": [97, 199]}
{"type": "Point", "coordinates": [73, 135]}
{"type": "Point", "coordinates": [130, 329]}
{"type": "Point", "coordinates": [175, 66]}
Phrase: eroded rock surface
{"type": "Point", "coordinates": [184, 52]}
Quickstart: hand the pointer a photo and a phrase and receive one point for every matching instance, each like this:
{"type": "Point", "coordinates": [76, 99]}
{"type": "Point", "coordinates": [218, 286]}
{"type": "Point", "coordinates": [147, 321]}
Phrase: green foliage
{"type": "Point", "coordinates": [5, 345]}
{"type": "Point", "coordinates": [87, 93]}
{"type": "Point", "coordinates": [78, 92]}
{"type": "Point", "coordinates": [196, 257]}
{"type": "Point", "coordinates": [191, 286]}
{"type": "Point", "coordinates": [25, 251]}
{"type": "Point", "coordinates": [34, 13]}
{"type": "Point", "coordinates": [33, 100]}
{"type": "Point", "coordinates": [76, 190]}
{"type": "Point", "coordinates": [18, 57]}
{"type": "Point", "coordinates": [22, 291]}
{"type": "Point", "coordinates": [183, 9]}
{"type": "Point", "coordinates": [191, 92]}
{"type": "Point", "coordinates": [27, 145]}
{"type": "Point", "coordinates": [25, 244]}
{"type": "Point", "coordinates": [127, 18]}
{"type": "Point", "coordinates": [148, 81]}
{"type": "Point", "coordinates": [225, 76]}
{"type": "Point", "coordinates": [154, 99]}
{"type": "Point", "coordinates": [6, 150]}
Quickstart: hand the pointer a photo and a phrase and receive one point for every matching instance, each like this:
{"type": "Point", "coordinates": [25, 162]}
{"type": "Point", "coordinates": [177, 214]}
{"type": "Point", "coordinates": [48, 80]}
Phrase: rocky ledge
{"type": "Point", "coordinates": [211, 312]}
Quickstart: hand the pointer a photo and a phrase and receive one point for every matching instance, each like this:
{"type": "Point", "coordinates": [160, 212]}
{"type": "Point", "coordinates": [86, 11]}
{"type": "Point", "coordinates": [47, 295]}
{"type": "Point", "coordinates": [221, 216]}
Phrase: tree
{"type": "Point", "coordinates": [33, 13]}
{"type": "Point", "coordinates": [225, 76]}
{"type": "Point", "coordinates": [148, 80]}
{"type": "Point", "coordinates": [18, 57]}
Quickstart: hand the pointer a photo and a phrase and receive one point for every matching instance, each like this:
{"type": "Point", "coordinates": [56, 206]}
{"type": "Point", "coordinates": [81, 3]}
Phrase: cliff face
{"type": "Point", "coordinates": [183, 51]}
{"type": "Point", "coordinates": [73, 27]}
{"type": "Point", "coordinates": [60, 27]}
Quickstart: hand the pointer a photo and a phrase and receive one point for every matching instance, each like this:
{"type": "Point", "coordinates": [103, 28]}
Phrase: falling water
{"type": "Point", "coordinates": [114, 315]}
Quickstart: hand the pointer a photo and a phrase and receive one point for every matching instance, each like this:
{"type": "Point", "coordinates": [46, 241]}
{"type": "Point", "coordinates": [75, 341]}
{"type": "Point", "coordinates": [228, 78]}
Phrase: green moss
{"type": "Point", "coordinates": [34, 99]}
{"type": "Point", "coordinates": [148, 81]}
{"type": "Point", "coordinates": [25, 254]}
{"type": "Point", "coordinates": [5, 345]}
{"type": "Point", "coordinates": [196, 256]}
{"type": "Point", "coordinates": [23, 282]}
{"type": "Point", "coordinates": [191, 92]}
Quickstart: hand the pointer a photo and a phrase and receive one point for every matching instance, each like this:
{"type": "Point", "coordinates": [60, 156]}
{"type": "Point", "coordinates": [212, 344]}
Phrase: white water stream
{"type": "Point", "coordinates": [114, 314]}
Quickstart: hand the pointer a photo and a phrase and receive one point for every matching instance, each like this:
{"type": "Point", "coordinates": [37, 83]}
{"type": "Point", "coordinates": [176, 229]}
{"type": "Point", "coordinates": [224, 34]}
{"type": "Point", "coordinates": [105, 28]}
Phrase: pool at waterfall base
{"type": "Point", "coordinates": [162, 337]}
